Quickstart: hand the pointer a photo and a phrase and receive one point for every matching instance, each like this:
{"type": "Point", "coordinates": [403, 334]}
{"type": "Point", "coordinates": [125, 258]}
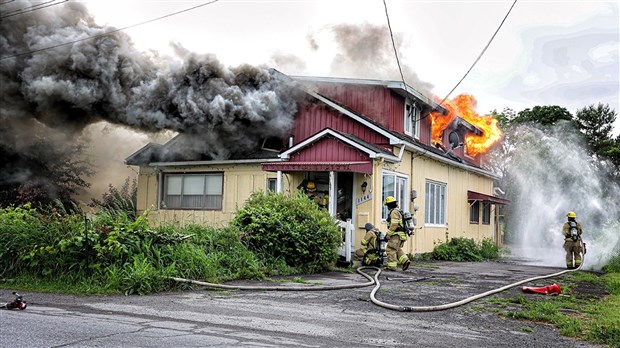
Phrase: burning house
{"type": "Point", "coordinates": [358, 141]}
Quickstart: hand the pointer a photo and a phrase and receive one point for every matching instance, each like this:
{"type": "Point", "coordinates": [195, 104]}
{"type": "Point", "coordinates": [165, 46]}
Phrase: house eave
{"type": "Point", "coordinates": [208, 163]}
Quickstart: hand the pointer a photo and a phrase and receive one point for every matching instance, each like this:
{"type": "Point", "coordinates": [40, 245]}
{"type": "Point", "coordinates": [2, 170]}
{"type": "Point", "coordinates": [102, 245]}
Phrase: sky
{"type": "Point", "coordinates": [562, 53]}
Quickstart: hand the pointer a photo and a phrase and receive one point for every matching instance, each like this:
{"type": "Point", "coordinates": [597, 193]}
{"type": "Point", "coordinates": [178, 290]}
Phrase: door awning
{"type": "Point", "coordinates": [364, 167]}
{"type": "Point", "coordinates": [477, 196]}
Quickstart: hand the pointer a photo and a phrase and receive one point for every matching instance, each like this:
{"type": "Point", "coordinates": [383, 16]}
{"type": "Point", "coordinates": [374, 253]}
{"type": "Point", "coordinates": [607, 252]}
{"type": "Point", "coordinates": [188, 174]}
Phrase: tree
{"type": "Point", "coordinates": [547, 115]}
{"type": "Point", "coordinates": [39, 170]}
{"type": "Point", "coordinates": [596, 124]}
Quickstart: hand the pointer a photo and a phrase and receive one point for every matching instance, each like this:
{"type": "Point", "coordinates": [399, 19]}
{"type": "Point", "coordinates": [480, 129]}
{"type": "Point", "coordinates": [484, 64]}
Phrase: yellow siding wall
{"type": "Point", "coordinates": [243, 179]}
{"type": "Point", "coordinates": [239, 182]}
{"type": "Point", "coordinates": [458, 181]}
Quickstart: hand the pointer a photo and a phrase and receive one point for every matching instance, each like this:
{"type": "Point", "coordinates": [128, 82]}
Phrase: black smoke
{"type": "Point", "coordinates": [55, 93]}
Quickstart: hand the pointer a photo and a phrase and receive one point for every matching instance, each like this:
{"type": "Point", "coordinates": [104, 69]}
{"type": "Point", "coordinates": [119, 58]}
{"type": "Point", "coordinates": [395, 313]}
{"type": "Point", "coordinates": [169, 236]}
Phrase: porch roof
{"type": "Point", "coordinates": [364, 167]}
{"type": "Point", "coordinates": [477, 196]}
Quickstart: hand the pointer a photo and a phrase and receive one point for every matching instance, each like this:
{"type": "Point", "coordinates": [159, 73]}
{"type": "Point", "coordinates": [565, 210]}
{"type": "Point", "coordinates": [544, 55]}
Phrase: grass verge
{"type": "Point", "coordinates": [588, 310]}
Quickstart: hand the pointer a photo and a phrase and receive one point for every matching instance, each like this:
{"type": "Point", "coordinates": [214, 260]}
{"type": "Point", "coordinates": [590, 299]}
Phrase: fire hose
{"type": "Point", "coordinates": [375, 281]}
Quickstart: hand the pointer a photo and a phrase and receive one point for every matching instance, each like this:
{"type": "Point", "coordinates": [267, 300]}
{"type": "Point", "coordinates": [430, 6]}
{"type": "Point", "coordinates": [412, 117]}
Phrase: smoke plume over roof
{"type": "Point", "coordinates": [64, 89]}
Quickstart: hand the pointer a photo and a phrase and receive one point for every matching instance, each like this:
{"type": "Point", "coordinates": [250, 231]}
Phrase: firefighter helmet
{"type": "Point", "coordinates": [369, 226]}
{"type": "Point", "coordinates": [311, 186]}
{"type": "Point", "coordinates": [571, 214]}
{"type": "Point", "coordinates": [389, 199]}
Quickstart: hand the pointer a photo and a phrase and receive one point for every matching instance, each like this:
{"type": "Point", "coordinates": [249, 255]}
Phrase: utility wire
{"type": "Point", "coordinates": [481, 53]}
{"type": "Point", "coordinates": [387, 16]}
{"type": "Point", "coordinates": [472, 66]}
{"type": "Point", "coordinates": [32, 8]}
{"type": "Point", "coordinates": [109, 32]}
{"type": "Point", "coordinates": [402, 76]}
{"type": "Point", "coordinates": [6, 2]}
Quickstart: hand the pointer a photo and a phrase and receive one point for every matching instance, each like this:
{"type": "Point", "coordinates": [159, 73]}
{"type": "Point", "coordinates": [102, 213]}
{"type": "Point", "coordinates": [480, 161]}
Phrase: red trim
{"type": "Point", "coordinates": [476, 196]}
{"type": "Point", "coordinates": [364, 167]}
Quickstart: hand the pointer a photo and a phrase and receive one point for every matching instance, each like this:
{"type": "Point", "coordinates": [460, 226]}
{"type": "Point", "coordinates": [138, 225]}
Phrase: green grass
{"type": "Point", "coordinates": [584, 316]}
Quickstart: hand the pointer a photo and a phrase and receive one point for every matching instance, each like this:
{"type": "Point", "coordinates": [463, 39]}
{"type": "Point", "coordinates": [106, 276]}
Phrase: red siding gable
{"type": "Point", "coordinates": [313, 117]}
{"type": "Point", "coordinates": [328, 149]}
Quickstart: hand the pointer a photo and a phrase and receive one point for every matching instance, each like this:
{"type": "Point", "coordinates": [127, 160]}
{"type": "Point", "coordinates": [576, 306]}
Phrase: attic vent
{"type": "Point", "coordinates": [273, 144]}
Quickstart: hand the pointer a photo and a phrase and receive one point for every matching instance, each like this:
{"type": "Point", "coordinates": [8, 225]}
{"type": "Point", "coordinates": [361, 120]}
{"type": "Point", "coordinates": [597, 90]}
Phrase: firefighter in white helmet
{"type": "Point", "coordinates": [572, 241]}
{"type": "Point", "coordinates": [397, 236]}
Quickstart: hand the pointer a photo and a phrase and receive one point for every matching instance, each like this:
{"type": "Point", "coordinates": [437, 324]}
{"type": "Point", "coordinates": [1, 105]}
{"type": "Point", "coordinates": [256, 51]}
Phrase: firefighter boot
{"type": "Point", "coordinates": [405, 262]}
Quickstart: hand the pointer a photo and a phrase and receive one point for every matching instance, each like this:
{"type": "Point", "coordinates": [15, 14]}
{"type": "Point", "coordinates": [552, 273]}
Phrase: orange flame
{"type": "Point", "coordinates": [463, 105]}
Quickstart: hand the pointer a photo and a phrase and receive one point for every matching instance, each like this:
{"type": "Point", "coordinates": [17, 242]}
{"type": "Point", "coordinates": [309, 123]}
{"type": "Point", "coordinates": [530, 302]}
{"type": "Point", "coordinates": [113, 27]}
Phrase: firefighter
{"type": "Point", "coordinates": [397, 236]}
{"type": "Point", "coordinates": [368, 253]}
{"type": "Point", "coordinates": [572, 241]}
{"type": "Point", "coordinates": [319, 199]}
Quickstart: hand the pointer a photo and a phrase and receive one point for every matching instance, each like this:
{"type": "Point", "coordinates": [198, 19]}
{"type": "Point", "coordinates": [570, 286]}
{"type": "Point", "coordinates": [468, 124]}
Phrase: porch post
{"type": "Point", "coordinates": [279, 182]}
{"type": "Point", "coordinates": [333, 199]}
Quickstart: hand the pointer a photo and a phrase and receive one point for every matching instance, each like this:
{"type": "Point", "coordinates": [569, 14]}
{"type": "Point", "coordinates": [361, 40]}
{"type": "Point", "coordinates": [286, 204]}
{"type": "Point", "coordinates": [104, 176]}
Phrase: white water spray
{"type": "Point", "coordinates": [550, 174]}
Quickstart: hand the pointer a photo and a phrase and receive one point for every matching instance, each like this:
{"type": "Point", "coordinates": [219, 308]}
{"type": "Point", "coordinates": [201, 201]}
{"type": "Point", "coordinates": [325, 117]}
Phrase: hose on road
{"type": "Point", "coordinates": [373, 281]}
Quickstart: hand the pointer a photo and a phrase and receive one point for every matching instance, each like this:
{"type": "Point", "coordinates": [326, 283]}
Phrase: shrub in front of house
{"type": "Point", "coordinates": [291, 230]}
{"type": "Point", "coordinates": [466, 249]}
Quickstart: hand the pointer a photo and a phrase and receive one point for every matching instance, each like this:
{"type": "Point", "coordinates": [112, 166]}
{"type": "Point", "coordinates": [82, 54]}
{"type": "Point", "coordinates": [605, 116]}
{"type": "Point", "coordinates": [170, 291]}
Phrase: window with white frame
{"type": "Point", "coordinates": [200, 191]}
{"type": "Point", "coordinates": [412, 118]}
{"type": "Point", "coordinates": [435, 203]}
{"type": "Point", "coordinates": [396, 185]}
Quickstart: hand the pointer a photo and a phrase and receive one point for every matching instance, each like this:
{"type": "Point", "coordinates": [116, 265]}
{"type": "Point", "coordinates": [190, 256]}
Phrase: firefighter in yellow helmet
{"type": "Point", "coordinates": [397, 236]}
{"type": "Point", "coordinates": [572, 241]}
{"type": "Point", "coordinates": [369, 252]}
{"type": "Point", "coordinates": [318, 198]}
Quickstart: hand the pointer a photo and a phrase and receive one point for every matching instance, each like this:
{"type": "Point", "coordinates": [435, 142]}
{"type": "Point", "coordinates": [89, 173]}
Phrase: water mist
{"type": "Point", "coordinates": [550, 173]}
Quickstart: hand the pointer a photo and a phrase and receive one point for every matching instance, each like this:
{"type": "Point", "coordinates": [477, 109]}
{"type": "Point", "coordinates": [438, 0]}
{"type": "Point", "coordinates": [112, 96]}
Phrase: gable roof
{"type": "Point", "coordinates": [371, 150]}
{"type": "Point", "coordinates": [152, 154]}
{"type": "Point", "coordinates": [406, 142]}
{"type": "Point", "coordinates": [397, 86]}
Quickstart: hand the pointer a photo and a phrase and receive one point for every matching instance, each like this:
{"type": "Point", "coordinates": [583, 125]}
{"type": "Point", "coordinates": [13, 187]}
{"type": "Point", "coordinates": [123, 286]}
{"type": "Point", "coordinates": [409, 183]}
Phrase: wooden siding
{"type": "Point", "coordinates": [374, 102]}
{"type": "Point", "coordinates": [314, 117]}
{"type": "Point", "coordinates": [329, 149]}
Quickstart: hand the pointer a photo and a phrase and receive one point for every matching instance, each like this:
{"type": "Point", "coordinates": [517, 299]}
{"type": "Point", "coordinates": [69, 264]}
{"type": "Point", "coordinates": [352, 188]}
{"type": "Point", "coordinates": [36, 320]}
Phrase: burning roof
{"type": "Point", "coordinates": [478, 133]}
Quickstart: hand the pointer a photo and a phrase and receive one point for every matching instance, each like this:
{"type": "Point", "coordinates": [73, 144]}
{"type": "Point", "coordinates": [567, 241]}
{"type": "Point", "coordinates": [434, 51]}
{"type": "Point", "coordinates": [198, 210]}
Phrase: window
{"type": "Point", "coordinates": [474, 212]}
{"type": "Point", "coordinates": [271, 185]}
{"type": "Point", "coordinates": [395, 185]}
{"type": "Point", "coordinates": [435, 203]}
{"type": "Point", "coordinates": [193, 191]}
{"type": "Point", "coordinates": [486, 213]}
{"type": "Point", "coordinates": [412, 118]}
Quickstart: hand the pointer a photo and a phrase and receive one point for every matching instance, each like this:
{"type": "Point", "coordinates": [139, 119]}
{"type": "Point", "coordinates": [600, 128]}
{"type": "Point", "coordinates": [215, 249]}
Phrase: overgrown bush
{"type": "Point", "coordinates": [292, 230]}
{"type": "Point", "coordinates": [466, 249]}
{"type": "Point", "coordinates": [114, 252]}
{"type": "Point", "coordinates": [119, 200]}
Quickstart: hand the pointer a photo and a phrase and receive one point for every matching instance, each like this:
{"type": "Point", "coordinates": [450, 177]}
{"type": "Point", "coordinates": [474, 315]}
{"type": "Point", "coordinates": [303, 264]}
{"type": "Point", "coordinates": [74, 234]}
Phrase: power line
{"type": "Point", "coordinates": [109, 32]}
{"type": "Point", "coordinates": [400, 70]}
{"type": "Point", "coordinates": [6, 2]}
{"type": "Point", "coordinates": [32, 8]}
{"type": "Point", "coordinates": [387, 16]}
{"type": "Point", "coordinates": [481, 53]}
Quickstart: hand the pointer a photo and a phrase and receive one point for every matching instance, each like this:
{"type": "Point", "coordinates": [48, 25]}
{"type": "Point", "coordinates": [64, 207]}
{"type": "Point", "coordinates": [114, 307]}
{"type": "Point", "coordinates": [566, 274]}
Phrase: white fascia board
{"type": "Point", "coordinates": [372, 154]}
{"type": "Point", "coordinates": [448, 161]}
{"type": "Point", "coordinates": [207, 163]}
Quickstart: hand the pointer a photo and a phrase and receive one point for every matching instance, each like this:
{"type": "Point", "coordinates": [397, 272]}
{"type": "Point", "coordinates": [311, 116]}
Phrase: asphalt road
{"type": "Point", "coordinates": [336, 318]}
